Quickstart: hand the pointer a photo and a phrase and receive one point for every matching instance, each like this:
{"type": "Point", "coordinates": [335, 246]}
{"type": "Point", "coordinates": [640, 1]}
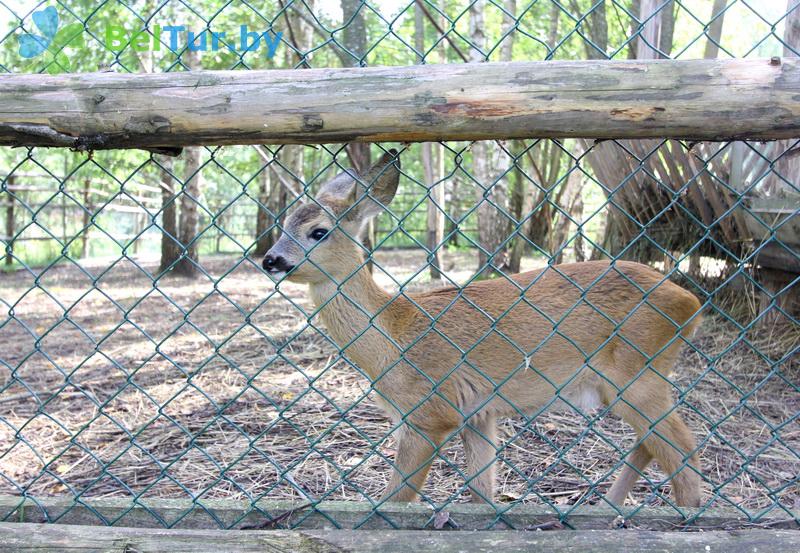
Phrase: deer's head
{"type": "Point", "coordinates": [321, 238]}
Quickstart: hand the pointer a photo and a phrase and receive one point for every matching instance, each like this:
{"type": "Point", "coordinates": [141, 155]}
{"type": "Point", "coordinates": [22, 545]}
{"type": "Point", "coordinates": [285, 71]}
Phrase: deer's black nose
{"type": "Point", "coordinates": [276, 264]}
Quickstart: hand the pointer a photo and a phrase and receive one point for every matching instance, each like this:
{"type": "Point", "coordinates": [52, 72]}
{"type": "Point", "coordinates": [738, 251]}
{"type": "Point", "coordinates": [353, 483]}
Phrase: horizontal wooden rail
{"type": "Point", "coordinates": [225, 513]}
{"type": "Point", "coordinates": [42, 538]}
{"type": "Point", "coordinates": [694, 100]}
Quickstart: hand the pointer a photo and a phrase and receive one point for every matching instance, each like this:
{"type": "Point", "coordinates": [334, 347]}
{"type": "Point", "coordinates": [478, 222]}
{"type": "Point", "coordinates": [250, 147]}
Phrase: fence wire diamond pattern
{"type": "Point", "coordinates": [147, 354]}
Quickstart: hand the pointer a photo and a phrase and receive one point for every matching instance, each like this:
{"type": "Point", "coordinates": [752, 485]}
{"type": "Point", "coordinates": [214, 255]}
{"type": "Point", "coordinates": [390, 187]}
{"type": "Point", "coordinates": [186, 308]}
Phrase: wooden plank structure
{"type": "Point", "coordinates": [192, 526]}
{"type": "Point", "coordinates": [41, 538]}
{"type": "Point", "coordinates": [694, 100]}
{"type": "Point", "coordinates": [285, 514]}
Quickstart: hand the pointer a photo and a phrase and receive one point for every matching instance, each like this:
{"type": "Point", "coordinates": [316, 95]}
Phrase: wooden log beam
{"type": "Point", "coordinates": [227, 513]}
{"type": "Point", "coordinates": [49, 538]}
{"type": "Point", "coordinates": [693, 100]}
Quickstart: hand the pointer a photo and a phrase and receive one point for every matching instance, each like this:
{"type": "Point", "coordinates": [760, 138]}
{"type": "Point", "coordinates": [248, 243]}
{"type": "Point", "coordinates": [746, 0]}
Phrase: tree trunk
{"type": "Point", "coordinates": [169, 216]}
{"type": "Point", "coordinates": [791, 34]}
{"type": "Point", "coordinates": [552, 29]}
{"type": "Point", "coordinates": [419, 32]}
{"type": "Point", "coordinates": [715, 29]}
{"type": "Point", "coordinates": [187, 227]}
{"type": "Point", "coordinates": [435, 200]}
{"type": "Point", "coordinates": [10, 229]}
{"type": "Point", "coordinates": [571, 204]}
{"type": "Point", "coordinates": [278, 196]}
{"type": "Point", "coordinates": [292, 157]}
{"type": "Point", "coordinates": [493, 197]}
{"type": "Point", "coordinates": [435, 211]}
{"type": "Point", "coordinates": [577, 214]}
{"type": "Point", "coordinates": [656, 28]}
{"type": "Point", "coordinates": [190, 196]}
{"type": "Point", "coordinates": [487, 223]}
{"type": "Point", "coordinates": [87, 209]}
{"type": "Point", "coordinates": [507, 47]}
{"type": "Point", "coordinates": [265, 217]}
{"type": "Point", "coordinates": [355, 42]}
{"type": "Point", "coordinates": [597, 47]}
{"type": "Point", "coordinates": [488, 238]}
{"type": "Point", "coordinates": [667, 33]}
{"type": "Point", "coordinates": [633, 44]}
{"type": "Point", "coordinates": [546, 169]}
{"type": "Point", "coordinates": [561, 222]}
{"type": "Point", "coordinates": [714, 35]}
{"type": "Point", "coordinates": [521, 205]}
{"type": "Point", "coordinates": [648, 41]}
{"type": "Point", "coordinates": [451, 225]}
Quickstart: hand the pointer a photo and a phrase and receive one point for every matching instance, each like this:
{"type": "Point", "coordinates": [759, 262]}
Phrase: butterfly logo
{"type": "Point", "coordinates": [52, 41]}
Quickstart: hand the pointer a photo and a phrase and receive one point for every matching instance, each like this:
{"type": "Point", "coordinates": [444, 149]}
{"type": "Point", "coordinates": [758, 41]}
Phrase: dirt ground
{"type": "Point", "coordinates": [176, 390]}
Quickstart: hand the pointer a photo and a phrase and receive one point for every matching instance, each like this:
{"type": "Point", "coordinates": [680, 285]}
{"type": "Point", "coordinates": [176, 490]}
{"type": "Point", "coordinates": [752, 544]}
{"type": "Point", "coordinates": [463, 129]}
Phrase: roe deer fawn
{"type": "Point", "coordinates": [593, 333]}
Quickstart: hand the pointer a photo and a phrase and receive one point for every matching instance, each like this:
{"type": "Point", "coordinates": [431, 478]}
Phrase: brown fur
{"type": "Point", "coordinates": [453, 360]}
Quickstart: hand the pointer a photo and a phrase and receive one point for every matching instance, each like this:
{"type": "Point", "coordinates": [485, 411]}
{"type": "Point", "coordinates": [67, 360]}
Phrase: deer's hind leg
{"type": "Point", "coordinates": [634, 466]}
{"type": "Point", "coordinates": [646, 404]}
{"type": "Point", "coordinates": [480, 448]}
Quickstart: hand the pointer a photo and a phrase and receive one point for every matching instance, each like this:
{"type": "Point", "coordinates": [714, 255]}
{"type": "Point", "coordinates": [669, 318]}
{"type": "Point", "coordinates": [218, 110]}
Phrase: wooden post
{"type": "Point", "coordinates": [693, 99]}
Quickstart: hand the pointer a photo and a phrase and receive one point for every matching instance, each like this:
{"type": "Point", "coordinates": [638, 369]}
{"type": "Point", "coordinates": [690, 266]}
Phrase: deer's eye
{"type": "Point", "coordinates": [318, 234]}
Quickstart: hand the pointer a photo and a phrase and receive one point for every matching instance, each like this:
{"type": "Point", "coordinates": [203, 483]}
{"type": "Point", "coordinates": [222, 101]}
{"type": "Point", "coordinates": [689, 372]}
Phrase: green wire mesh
{"type": "Point", "coordinates": [130, 373]}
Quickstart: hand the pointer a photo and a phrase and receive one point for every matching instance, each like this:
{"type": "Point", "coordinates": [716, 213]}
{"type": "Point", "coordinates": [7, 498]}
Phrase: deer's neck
{"type": "Point", "coordinates": [362, 319]}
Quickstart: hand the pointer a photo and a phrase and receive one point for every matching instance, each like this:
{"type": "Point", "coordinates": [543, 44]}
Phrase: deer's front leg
{"type": "Point", "coordinates": [415, 452]}
{"type": "Point", "coordinates": [480, 449]}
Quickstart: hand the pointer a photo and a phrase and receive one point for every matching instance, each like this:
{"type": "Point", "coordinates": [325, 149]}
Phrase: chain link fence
{"type": "Point", "coordinates": [147, 355]}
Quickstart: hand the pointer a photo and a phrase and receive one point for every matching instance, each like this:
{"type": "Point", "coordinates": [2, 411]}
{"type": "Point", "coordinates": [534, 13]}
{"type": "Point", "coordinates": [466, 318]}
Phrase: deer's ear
{"type": "Point", "coordinates": [338, 193]}
{"type": "Point", "coordinates": [377, 187]}
{"type": "Point", "coordinates": [363, 196]}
